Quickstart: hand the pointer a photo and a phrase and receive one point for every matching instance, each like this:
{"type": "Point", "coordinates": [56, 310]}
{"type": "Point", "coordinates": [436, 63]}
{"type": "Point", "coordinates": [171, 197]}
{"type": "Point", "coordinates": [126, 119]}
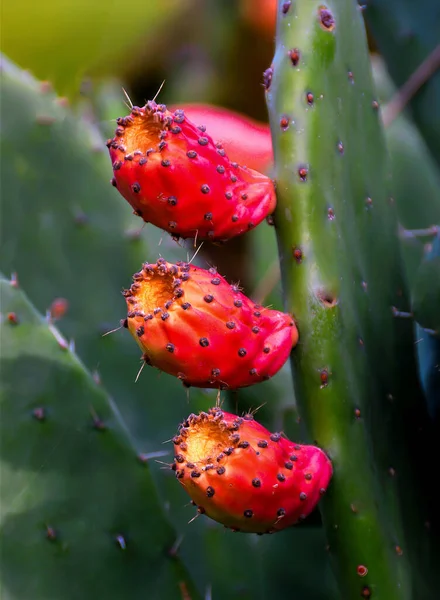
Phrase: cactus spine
{"type": "Point", "coordinates": [341, 272]}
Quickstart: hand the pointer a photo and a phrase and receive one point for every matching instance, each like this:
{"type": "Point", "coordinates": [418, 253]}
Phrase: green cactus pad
{"type": "Point", "coordinates": [74, 493]}
{"type": "Point", "coordinates": [342, 276]}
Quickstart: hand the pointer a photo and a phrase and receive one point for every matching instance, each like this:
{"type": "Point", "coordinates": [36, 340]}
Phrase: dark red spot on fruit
{"type": "Point", "coordinates": [262, 444]}
{"type": "Point", "coordinates": [285, 7]}
{"type": "Point", "coordinates": [170, 347]}
{"type": "Point", "coordinates": [208, 298]}
{"type": "Point", "coordinates": [210, 491]}
{"type": "Point", "coordinates": [310, 98]}
{"type": "Point", "coordinates": [205, 189]}
{"type": "Point", "coordinates": [204, 342]}
{"type": "Point", "coordinates": [136, 188]}
{"type": "Point", "coordinates": [221, 470]}
{"type": "Point", "coordinates": [242, 352]}
{"type": "Point", "coordinates": [248, 513]}
{"type": "Point", "coordinates": [366, 592]}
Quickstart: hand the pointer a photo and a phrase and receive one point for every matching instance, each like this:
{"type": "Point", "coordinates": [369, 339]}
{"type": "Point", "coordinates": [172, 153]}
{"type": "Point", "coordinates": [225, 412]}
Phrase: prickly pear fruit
{"type": "Point", "coordinates": [175, 176]}
{"type": "Point", "coordinates": [243, 476]}
{"type": "Point", "coordinates": [191, 323]}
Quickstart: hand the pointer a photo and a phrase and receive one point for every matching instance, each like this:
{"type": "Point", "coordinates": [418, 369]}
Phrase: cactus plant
{"type": "Point", "coordinates": [342, 276]}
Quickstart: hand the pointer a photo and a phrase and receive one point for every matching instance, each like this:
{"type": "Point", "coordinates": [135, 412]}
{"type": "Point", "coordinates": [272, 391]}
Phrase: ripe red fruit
{"type": "Point", "coordinates": [243, 476]}
{"type": "Point", "coordinates": [175, 176]}
{"type": "Point", "coordinates": [244, 140]}
{"type": "Point", "coordinates": [191, 323]}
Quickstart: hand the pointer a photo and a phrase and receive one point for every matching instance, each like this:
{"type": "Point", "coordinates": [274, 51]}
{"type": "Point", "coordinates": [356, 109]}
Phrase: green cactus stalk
{"type": "Point", "coordinates": [341, 271]}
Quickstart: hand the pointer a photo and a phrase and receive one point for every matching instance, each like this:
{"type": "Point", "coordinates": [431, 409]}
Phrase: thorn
{"type": "Point", "coordinates": [140, 371]}
{"type": "Point", "coordinates": [401, 314]}
{"type": "Point", "coordinates": [14, 280]}
{"type": "Point", "coordinates": [172, 552]}
{"type": "Point", "coordinates": [208, 593]}
{"type": "Point", "coordinates": [120, 540]}
{"type": "Point", "coordinates": [167, 465]}
{"type": "Point", "coordinates": [145, 457]}
{"type": "Point", "coordinates": [72, 346]}
{"type": "Point", "coordinates": [196, 252]}
{"type": "Point", "coordinates": [128, 98]}
{"type": "Point", "coordinates": [159, 90]}
{"type": "Point", "coordinates": [194, 518]}
{"type": "Point", "coordinates": [96, 377]}
{"type": "Point", "coordinates": [415, 233]}
{"type": "Point", "coordinates": [112, 331]}
{"type": "Point", "coordinates": [255, 410]}
{"type": "Point", "coordinates": [97, 422]}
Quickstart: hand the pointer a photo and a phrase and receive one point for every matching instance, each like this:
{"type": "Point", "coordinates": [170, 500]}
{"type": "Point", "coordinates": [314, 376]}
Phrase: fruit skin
{"type": "Point", "coordinates": [245, 477]}
{"type": "Point", "coordinates": [244, 140]}
{"type": "Point", "coordinates": [175, 177]}
{"type": "Point", "coordinates": [190, 323]}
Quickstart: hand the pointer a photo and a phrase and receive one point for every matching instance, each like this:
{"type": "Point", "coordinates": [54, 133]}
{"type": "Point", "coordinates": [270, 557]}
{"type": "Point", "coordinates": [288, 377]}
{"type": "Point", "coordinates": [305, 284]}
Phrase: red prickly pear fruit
{"type": "Point", "coordinates": [244, 140]}
{"type": "Point", "coordinates": [190, 323]}
{"type": "Point", "coordinates": [243, 476]}
{"type": "Point", "coordinates": [175, 177]}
